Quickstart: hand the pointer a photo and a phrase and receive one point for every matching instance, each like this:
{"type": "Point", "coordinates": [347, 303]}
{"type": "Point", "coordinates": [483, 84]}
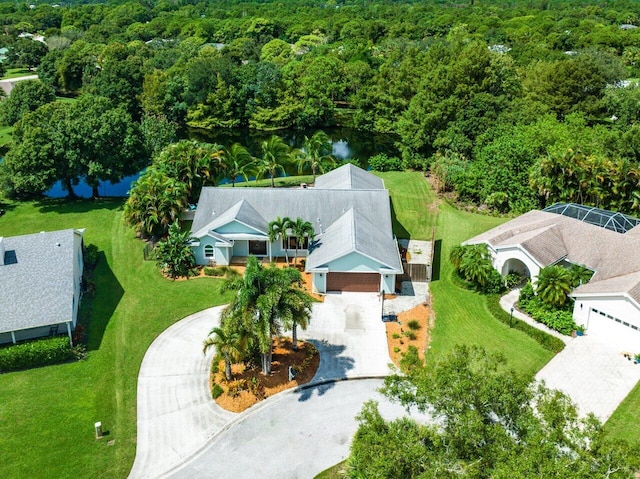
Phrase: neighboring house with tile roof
{"type": "Point", "coordinates": [353, 249]}
{"type": "Point", "coordinates": [538, 239]}
{"type": "Point", "coordinates": [40, 284]}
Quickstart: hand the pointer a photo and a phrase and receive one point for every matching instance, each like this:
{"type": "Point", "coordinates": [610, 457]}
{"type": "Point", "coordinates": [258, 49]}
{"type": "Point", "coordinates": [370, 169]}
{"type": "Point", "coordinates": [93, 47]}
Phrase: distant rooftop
{"type": "Point", "coordinates": [610, 220]}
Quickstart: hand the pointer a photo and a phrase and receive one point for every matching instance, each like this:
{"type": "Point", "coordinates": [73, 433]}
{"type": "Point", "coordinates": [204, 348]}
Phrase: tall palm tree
{"type": "Point", "coordinates": [553, 285]}
{"type": "Point", "coordinates": [227, 344]}
{"type": "Point", "coordinates": [278, 229]}
{"type": "Point", "coordinates": [238, 162]}
{"type": "Point", "coordinates": [275, 156]}
{"type": "Point", "coordinates": [316, 154]}
{"type": "Point", "coordinates": [296, 311]}
{"type": "Point", "coordinates": [300, 229]}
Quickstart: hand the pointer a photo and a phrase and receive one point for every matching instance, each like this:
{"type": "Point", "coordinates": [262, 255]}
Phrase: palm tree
{"type": "Point", "coordinates": [553, 285]}
{"type": "Point", "coordinates": [265, 300]}
{"type": "Point", "coordinates": [296, 311]}
{"type": "Point", "coordinates": [316, 154]}
{"type": "Point", "coordinates": [579, 275]}
{"type": "Point", "coordinates": [227, 344]}
{"type": "Point", "coordinates": [275, 155]}
{"type": "Point", "coordinates": [300, 229]}
{"type": "Point", "coordinates": [278, 230]}
{"type": "Point", "coordinates": [473, 262]}
{"type": "Point", "coordinates": [155, 201]}
{"type": "Point", "coordinates": [238, 162]}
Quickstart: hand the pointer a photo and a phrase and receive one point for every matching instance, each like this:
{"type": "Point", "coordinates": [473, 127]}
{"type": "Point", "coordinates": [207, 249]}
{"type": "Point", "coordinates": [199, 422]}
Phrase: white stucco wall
{"type": "Point", "coordinates": [388, 283]}
{"type": "Point", "coordinates": [319, 282]}
{"type": "Point", "coordinates": [619, 307]}
{"type": "Point", "coordinates": [501, 261]}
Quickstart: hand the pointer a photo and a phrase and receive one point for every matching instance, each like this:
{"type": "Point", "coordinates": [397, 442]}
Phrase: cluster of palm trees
{"type": "Point", "coordinates": [180, 170]}
{"type": "Point", "coordinates": [588, 179]}
{"type": "Point", "coordinates": [473, 263]}
{"type": "Point", "coordinates": [285, 228]}
{"type": "Point", "coordinates": [555, 282]}
{"type": "Point", "coordinates": [267, 301]}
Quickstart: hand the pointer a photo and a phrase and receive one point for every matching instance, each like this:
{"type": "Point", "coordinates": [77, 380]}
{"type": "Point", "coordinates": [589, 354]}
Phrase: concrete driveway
{"type": "Point", "coordinates": [176, 414]}
{"type": "Point", "coordinates": [296, 434]}
{"type": "Point", "coordinates": [348, 331]}
{"type": "Point", "coordinates": [593, 372]}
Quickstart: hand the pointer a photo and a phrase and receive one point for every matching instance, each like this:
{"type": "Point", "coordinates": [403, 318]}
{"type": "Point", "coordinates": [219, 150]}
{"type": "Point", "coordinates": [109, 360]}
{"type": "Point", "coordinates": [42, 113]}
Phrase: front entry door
{"type": "Point", "coordinates": [258, 248]}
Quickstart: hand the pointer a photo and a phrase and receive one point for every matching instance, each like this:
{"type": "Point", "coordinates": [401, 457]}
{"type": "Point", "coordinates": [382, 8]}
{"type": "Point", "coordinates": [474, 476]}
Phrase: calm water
{"type": "Point", "coordinates": [347, 144]}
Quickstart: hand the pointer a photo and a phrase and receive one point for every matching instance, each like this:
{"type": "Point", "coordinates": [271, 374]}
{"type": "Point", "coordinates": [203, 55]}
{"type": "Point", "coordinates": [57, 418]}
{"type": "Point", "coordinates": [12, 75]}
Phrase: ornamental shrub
{"type": "Point", "coordinates": [382, 162]}
{"type": "Point", "coordinates": [36, 353]}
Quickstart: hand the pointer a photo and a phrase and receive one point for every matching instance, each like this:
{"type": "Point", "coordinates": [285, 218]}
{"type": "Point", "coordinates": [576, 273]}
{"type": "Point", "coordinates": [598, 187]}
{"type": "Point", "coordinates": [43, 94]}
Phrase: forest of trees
{"type": "Point", "coordinates": [510, 104]}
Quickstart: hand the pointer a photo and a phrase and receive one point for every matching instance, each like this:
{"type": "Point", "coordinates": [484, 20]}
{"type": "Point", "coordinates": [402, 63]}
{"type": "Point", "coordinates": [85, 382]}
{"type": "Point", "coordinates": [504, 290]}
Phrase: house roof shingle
{"type": "Point", "coordinates": [36, 287]}
{"type": "Point", "coordinates": [549, 237]}
{"type": "Point", "coordinates": [349, 177]}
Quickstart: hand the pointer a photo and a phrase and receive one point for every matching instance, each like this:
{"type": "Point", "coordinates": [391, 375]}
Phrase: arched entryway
{"type": "Point", "coordinates": [513, 265]}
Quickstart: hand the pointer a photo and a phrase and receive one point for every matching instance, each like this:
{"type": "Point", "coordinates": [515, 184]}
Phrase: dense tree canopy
{"type": "Point", "coordinates": [488, 422]}
{"type": "Point", "coordinates": [469, 86]}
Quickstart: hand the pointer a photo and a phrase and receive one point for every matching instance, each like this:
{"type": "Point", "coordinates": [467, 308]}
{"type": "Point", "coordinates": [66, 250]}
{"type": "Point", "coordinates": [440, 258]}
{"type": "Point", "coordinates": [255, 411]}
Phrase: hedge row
{"type": "Point", "coordinates": [547, 341]}
{"type": "Point", "coordinates": [32, 354]}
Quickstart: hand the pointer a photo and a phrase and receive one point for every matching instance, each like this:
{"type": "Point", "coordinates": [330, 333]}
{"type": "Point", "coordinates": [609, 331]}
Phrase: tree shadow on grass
{"type": "Point", "coordinates": [398, 229]}
{"type": "Point", "coordinates": [97, 309]}
{"type": "Point", "coordinates": [64, 205]}
{"type": "Point", "coordinates": [333, 366]}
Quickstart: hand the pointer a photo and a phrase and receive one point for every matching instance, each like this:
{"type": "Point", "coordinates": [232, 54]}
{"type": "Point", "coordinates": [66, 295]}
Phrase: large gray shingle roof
{"type": "Point", "coordinates": [353, 232]}
{"type": "Point", "coordinates": [549, 237]}
{"type": "Point", "coordinates": [349, 177]}
{"type": "Point", "coordinates": [37, 288]}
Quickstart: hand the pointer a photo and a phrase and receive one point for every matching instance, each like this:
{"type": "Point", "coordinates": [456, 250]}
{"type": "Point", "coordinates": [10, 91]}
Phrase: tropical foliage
{"type": "Point", "coordinates": [554, 285]}
{"type": "Point", "coordinates": [276, 154]}
{"type": "Point", "coordinates": [489, 422]}
{"type": "Point", "coordinates": [174, 255]}
{"type": "Point", "coordinates": [473, 263]}
{"type": "Point", "coordinates": [267, 300]}
{"type": "Point", "coordinates": [316, 154]}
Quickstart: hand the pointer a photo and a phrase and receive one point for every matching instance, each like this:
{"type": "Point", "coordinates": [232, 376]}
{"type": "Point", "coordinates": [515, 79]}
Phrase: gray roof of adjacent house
{"type": "Point", "coordinates": [550, 238]}
{"type": "Point", "coordinates": [354, 233]}
{"type": "Point", "coordinates": [37, 280]}
{"type": "Point", "coordinates": [349, 177]}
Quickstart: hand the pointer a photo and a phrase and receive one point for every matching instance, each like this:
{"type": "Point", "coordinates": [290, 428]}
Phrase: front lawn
{"type": "Point", "coordinates": [47, 414]}
{"type": "Point", "coordinates": [413, 204]}
{"type": "Point", "coordinates": [17, 72]}
{"type": "Point", "coordinates": [624, 423]}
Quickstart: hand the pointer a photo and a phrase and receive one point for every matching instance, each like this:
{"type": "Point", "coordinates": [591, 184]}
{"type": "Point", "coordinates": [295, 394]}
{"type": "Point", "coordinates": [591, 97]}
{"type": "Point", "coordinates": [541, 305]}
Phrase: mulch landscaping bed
{"type": "Point", "coordinates": [400, 336]}
{"type": "Point", "coordinates": [250, 386]}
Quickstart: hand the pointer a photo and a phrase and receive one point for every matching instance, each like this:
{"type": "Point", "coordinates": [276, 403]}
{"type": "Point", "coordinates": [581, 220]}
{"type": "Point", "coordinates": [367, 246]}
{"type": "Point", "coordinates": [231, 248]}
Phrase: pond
{"type": "Point", "coordinates": [348, 144]}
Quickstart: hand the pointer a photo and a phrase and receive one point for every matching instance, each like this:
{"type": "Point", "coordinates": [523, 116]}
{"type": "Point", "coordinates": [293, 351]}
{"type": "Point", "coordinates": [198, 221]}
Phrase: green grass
{"type": "Point", "coordinates": [17, 72]}
{"type": "Point", "coordinates": [333, 472]}
{"type": "Point", "coordinates": [47, 414]}
{"type": "Point", "coordinates": [625, 423]}
{"type": "Point", "coordinates": [462, 316]}
{"type": "Point", "coordinates": [412, 204]}
{"type": "Point", "coordinates": [285, 181]}
{"type": "Point", "coordinates": [5, 134]}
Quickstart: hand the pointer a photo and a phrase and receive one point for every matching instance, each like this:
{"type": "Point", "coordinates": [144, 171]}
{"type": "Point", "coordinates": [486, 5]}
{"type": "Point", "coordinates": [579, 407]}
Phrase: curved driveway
{"type": "Point", "coordinates": [177, 418]}
{"type": "Point", "coordinates": [175, 412]}
{"type": "Point", "coordinates": [296, 434]}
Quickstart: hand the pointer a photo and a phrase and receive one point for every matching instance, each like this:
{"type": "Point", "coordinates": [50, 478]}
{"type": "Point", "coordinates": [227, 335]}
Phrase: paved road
{"type": "Point", "coordinates": [8, 84]}
{"type": "Point", "coordinates": [296, 434]}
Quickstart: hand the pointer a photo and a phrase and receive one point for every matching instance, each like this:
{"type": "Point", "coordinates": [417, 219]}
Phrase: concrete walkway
{"type": "Point", "coordinates": [176, 414]}
{"type": "Point", "coordinates": [591, 368]}
{"type": "Point", "coordinates": [509, 300]}
{"type": "Point", "coordinates": [296, 434]}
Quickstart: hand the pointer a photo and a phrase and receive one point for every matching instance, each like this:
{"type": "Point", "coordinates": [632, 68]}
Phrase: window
{"type": "Point", "coordinates": [290, 243]}
{"type": "Point", "coordinates": [208, 251]}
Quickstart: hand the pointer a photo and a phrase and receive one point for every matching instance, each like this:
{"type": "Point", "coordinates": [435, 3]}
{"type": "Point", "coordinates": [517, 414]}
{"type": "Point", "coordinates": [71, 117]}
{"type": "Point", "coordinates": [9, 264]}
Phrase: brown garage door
{"type": "Point", "coordinates": [365, 282]}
